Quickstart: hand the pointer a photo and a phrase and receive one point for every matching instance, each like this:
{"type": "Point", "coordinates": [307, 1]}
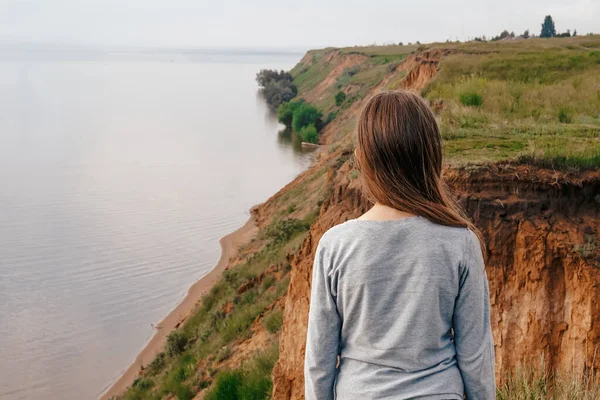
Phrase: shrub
{"type": "Point", "coordinates": [273, 321]}
{"type": "Point", "coordinates": [564, 116]}
{"type": "Point", "coordinates": [330, 117]}
{"type": "Point", "coordinates": [279, 92]}
{"type": "Point", "coordinates": [176, 342]}
{"type": "Point", "coordinates": [348, 73]}
{"type": "Point", "coordinates": [285, 112]}
{"type": "Point", "coordinates": [251, 382]}
{"type": "Point", "coordinates": [339, 98]}
{"type": "Point", "coordinates": [309, 134]}
{"type": "Point", "coordinates": [267, 282]}
{"type": "Point", "coordinates": [283, 230]}
{"type": "Point", "coordinates": [267, 75]}
{"type": "Point", "coordinates": [226, 386]}
{"type": "Point", "coordinates": [183, 392]}
{"type": "Point", "coordinates": [471, 99]}
{"type": "Point", "coordinates": [277, 86]}
{"type": "Point", "coordinates": [142, 384]}
{"type": "Point", "coordinates": [304, 115]}
{"type": "Point", "coordinates": [256, 386]}
{"type": "Point", "coordinates": [157, 364]}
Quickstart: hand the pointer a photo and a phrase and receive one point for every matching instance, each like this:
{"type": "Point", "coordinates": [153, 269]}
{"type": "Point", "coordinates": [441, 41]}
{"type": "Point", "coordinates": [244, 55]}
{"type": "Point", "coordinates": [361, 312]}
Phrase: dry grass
{"type": "Point", "coordinates": [533, 385]}
{"type": "Point", "coordinates": [541, 103]}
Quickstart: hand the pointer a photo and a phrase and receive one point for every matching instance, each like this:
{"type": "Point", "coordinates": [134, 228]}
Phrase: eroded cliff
{"type": "Point", "coordinates": [543, 265]}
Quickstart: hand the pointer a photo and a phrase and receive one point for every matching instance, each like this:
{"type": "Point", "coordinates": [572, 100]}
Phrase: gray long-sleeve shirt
{"type": "Point", "coordinates": [405, 306]}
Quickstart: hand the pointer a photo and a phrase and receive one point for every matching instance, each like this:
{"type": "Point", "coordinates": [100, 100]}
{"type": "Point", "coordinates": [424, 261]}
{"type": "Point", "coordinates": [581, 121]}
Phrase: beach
{"type": "Point", "coordinates": [229, 247]}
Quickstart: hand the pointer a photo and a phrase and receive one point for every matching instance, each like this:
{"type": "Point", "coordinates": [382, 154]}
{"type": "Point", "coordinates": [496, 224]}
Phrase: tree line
{"type": "Point", "coordinates": [548, 31]}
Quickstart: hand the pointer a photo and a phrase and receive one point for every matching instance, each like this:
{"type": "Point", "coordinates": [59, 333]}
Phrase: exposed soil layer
{"type": "Point", "coordinates": [543, 265]}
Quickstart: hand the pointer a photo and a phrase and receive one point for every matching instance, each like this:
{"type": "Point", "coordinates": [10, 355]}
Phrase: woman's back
{"type": "Point", "coordinates": [394, 290]}
{"type": "Point", "coordinates": [402, 301]}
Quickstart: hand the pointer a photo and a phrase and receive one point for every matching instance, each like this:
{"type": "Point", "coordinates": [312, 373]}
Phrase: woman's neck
{"type": "Point", "coordinates": [379, 212]}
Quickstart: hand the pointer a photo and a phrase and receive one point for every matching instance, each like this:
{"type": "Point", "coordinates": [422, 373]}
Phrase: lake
{"type": "Point", "coordinates": [119, 172]}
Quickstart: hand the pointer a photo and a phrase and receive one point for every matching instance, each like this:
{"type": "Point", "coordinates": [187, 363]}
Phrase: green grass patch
{"type": "Point", "coordinates": [273, 321]}
{"type": "Point", "coordinates": [309, 77]}
{"type": "Point", "coordinates": [471, 99]}
{"type": "Point", "coordinates": [250, 382]}
{"type": "Point", "coordinates": [387, 58]}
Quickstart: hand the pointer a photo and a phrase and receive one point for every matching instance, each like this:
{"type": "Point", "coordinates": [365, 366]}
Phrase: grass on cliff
{"type": "Point", "coordinates": [532, 385]}
{"type": "Point", "coordinates": [194, 352]}
{"type": "Point", "coordinates": [533, 101]}
{"type": "Point", "coordinates": [537, 106]}
{"type": "Point", "coordinates": [251, 381]}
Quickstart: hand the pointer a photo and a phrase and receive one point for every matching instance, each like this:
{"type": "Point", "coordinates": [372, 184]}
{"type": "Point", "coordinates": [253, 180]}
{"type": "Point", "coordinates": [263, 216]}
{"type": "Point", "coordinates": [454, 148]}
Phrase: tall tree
{"type": "Point", "coordinates": [526, 34]}
{"type": "Point", "coordinates": [548, 29]}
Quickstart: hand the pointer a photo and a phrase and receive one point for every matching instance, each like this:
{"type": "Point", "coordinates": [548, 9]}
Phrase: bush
{"type": "Point", "coordinates": [330, 117]}
{"type": "Point", "coordinates": [277, 86]}
{"type": "Point", "coordinates": [285, 112]}
{"type": "Point", "coordinates": [267, 282]}
{"type": "Point", "coordinates": [283, 230]}
{"type": "Point", "coordinates": [348, 73]}
{"type": "Point", "coordinates": [304, 115]}
{"type": "Point", "coordinates": [157, 364]}
{"type": "Point", "coordinates": [471, 99]}
{"type": "Point", "coordinates": [273, 321]}
{"type": "Point", "coordinates": [183, 392]}
{"type": "Point", "coordinates": [142, 384]}
{"type": "Point", "coordinates": [251, 382]}
{"type": "Point", "coordinates": [267, 75]}
{"type": "Point", "coordinates": [176, 342]}
{"type": "Point", "coordinates": [309, 134]}
{"type": "Point", "coordinates": [226, 386]}
{"type": "Point", "coordinates": [276, 93]}
{"type": "Point", "coordinates": [564, 116]}
{"type": "Point", "coordinates": [339, 98]}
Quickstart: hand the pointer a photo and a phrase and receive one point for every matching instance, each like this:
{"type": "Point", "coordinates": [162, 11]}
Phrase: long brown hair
{"type": "Point", "coordinates": [399, 156]}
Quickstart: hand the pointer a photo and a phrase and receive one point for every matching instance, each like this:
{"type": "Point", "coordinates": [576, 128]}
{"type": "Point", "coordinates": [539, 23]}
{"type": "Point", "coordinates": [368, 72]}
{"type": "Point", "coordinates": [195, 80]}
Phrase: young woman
{"type": "Point", "coordinates": [400, 302]}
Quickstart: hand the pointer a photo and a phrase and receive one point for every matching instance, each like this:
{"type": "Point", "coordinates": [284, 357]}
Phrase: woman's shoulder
{"type": "Point", "coordinates": [418, 229]}
{"type": "Point", "coordinates": [338, 233]}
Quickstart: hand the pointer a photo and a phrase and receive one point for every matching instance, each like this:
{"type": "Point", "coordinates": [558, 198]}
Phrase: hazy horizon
{"type": "Point", "coordinates": [269, 24]}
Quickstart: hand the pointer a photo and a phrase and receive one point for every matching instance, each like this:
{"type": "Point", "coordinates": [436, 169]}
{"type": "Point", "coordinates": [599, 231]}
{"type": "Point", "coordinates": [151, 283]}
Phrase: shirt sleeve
{"type": "Point", "coordinates": [473, 336]}
{"type": "Point", "coordinates": [323, 337]}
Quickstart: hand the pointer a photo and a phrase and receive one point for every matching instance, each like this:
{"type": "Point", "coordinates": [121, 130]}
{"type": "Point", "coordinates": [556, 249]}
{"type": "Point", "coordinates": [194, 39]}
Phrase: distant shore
{"type": "Point", "coordinates": [229, 247]}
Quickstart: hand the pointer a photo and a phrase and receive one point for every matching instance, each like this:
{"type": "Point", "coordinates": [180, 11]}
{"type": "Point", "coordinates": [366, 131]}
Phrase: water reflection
{"type": "Point", "coordinates": [289, 138]}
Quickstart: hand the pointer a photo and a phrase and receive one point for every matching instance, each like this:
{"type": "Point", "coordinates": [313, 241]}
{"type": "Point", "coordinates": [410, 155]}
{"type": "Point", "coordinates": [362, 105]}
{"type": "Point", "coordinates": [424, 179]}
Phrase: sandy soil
{"type": "Point", "coordinates": [229, 247]}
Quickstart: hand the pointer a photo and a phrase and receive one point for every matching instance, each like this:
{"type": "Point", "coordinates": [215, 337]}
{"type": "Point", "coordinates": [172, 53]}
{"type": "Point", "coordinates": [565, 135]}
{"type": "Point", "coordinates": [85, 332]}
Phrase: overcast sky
{"type": "Point", "coordinates": [279, 23]}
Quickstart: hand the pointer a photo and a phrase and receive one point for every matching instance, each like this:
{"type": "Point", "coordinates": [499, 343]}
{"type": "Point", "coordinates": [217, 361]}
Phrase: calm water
{"type": "Point", "coordinates": [118, 174]}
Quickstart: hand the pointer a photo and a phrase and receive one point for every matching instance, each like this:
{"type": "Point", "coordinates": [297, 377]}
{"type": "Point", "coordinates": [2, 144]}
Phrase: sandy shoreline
{"type": "Point", "coordinates": [229, 246]}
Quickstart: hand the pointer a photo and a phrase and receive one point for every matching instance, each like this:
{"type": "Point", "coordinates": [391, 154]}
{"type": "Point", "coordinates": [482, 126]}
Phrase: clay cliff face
{"type": "Point", "coordinates": [543, 265]}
